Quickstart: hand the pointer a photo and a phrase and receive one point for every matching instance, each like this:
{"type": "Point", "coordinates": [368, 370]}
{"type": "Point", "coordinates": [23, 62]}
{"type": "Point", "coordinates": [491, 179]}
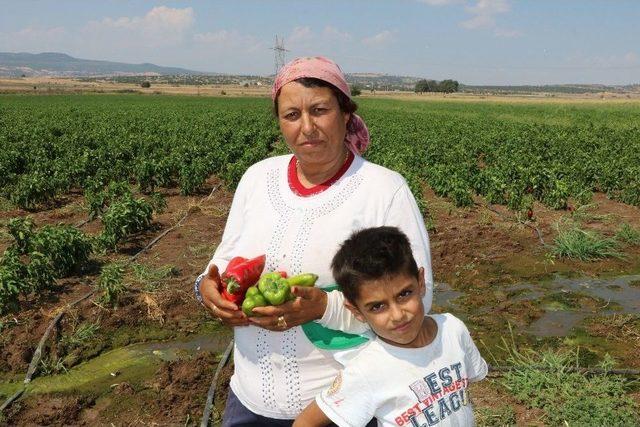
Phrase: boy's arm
{"type": "Point", "coordinates": [476, 365]}
{"type": "Point", "coordinates": [336, 316]}
{"type": "Point", "coordinates": [312, 416]}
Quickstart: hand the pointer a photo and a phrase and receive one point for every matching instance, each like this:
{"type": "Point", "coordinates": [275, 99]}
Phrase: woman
{"type": "Point", "coordinates": [297, 209]}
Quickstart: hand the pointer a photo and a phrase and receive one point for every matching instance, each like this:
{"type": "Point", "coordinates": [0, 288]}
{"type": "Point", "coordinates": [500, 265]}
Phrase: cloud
{"type": "Point", "coordinates": [159, 18]}
{"type": "Point", "coordinates": [161, 35]}
{"type": "Point", "coordinates": [379, 39]}
{"type": "Point", "coordinates": [217, 37]}
{"type": "Point", "coordinates": [300, 34]}
{"type": "Point", "coordinates": [160, 26]}
{"type": "Point", "coordinates": [332, 33]}
{"type": "Point", "coordinates": [231, 41]}
{"type": "Point", "coordinates": [484, 12]}
{"type": "Point", "coordinates": [483, 15]}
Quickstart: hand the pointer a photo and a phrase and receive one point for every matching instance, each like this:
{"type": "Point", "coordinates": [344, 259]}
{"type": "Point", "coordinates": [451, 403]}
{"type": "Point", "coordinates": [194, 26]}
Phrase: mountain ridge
{"type": "Point", "coordinates": [62, 64]}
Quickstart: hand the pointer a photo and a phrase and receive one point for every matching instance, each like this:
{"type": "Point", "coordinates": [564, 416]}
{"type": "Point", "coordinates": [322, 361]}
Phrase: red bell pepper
{"type": "Point", "coordinates": [240, 274]}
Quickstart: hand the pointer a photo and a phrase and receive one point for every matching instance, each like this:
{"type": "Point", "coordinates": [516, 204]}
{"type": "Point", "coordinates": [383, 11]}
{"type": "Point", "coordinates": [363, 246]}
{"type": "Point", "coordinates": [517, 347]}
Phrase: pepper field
{"type": "Point", "coordinates": [533, 211]}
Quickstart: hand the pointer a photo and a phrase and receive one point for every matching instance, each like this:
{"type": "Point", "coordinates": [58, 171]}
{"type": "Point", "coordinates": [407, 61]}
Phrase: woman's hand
{"type": "Point", "coordinates": [309, 305]}
{"type": "Point", "coordinates": [228, 312]}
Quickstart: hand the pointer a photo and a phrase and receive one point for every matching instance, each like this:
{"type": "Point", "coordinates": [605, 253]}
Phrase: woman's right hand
{"type": "Point", "coordinates": [228, 312]}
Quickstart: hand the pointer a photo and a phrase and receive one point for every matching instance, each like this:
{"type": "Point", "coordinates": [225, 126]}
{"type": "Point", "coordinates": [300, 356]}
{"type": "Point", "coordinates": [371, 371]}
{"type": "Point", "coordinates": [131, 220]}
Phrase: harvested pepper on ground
{"type": "Point", "coordinates": [274, 288]}
{"type": "Point", "coordinates": [240, 275]}
{"type": "Point", "coordinates": [253, 298]}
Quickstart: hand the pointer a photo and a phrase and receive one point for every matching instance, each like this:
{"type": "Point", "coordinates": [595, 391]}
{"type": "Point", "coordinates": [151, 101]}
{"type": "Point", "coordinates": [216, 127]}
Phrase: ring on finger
{"type": "Point", "coordinates": [282, 324]}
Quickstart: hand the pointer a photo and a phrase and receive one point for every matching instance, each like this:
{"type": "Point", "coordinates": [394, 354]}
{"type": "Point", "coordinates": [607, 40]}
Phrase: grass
{"type": "Point", "coordinates": [153, 278]}
{"type": "Point", "coordinates": [206, 249]}
{"type": "Point", "coordinates": [83, 334]}
{"type": "Point", "coordinates": [583, 213]}
{"type": "Point", "coordinates": [500, 416]}
{"type": "Point", "coordinates": [51, 366]}
{"type": "Point", "coordinates": [584, 245]}
{"type": "Point", "coordinates": [628, 234]}
{"type": "Point", "coordinates": [543, 380]}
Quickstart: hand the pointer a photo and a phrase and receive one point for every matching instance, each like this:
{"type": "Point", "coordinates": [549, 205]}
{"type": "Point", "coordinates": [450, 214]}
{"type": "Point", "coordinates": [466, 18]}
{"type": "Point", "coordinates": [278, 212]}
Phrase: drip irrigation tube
{"type": "Point", "coordinates": [37, 355]}
{"type": "Point", "coordinates": [38, 352]}
{"type": "Point", "coordinates": [212, 389]}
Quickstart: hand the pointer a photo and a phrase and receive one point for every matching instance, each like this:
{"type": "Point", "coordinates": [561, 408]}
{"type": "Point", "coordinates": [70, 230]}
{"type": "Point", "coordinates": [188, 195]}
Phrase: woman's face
{"type": "Point", "coordinates": [312, 123]}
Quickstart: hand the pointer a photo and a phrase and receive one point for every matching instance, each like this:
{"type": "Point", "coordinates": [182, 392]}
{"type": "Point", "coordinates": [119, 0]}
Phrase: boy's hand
{"type": "Point", "coordinates": [310, 304]}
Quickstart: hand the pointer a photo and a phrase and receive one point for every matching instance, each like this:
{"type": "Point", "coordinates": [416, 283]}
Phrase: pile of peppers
{"type": "Point", "coordinates": [240, 278]}
{"type": "Point", "coordinates": [274, 289]}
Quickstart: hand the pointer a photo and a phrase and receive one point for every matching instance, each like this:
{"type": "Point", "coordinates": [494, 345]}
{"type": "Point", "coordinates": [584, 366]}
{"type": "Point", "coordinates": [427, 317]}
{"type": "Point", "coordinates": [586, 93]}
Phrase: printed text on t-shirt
{"type": "Point", "coordinates": [439, 395]}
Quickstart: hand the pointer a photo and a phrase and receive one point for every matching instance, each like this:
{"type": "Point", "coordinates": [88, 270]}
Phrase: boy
{"type": "Point", "coordinates": [416, 370]}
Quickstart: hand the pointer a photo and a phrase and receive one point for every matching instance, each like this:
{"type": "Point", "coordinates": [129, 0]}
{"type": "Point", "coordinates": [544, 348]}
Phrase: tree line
{"type": "Point", "coordinates": [446, 86]}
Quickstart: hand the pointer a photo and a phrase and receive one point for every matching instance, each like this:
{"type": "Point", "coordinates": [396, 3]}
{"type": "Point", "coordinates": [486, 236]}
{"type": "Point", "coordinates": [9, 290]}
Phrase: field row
{"type": "Point", "coordinates": [510, 154]}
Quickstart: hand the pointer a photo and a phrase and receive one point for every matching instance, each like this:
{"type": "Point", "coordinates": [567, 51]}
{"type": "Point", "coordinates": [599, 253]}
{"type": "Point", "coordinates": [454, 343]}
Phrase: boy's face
{"type": "Point", "coordinates": [393, 308]}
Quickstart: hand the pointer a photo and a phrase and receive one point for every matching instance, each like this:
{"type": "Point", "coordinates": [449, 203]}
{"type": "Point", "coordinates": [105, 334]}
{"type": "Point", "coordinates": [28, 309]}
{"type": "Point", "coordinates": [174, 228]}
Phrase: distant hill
{"type": "Point", "coordinates": [60, 64]}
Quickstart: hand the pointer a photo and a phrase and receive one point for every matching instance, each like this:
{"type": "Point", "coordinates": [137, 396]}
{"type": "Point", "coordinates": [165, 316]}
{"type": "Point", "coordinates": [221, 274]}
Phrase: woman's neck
{"type": "Point", "coordinates": [313, 174]}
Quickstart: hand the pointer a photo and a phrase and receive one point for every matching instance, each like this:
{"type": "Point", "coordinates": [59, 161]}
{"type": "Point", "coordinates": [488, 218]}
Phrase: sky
{"type": "Point", "coordinates": [485, 42]}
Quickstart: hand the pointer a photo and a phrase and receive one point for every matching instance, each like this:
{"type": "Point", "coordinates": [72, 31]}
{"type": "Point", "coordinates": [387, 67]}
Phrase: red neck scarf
{"type": "Point", "coordinates": [300, 190]}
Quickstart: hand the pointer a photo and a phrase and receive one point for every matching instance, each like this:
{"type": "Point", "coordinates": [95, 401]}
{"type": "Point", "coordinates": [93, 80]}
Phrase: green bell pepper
{"type": "Point", "coordinates": [304, 279]}
{"type": "Point", "coordinates": [253, 298]}
{"type": "Point", "coordinates": [274, 288]}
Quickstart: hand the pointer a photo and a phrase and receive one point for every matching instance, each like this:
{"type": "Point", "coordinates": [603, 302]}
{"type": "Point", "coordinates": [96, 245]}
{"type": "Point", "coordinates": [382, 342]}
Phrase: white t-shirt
{"type": "Point", "coordinates": [412, 387]}
{"type": "Point", "coordinates": [278, 373]}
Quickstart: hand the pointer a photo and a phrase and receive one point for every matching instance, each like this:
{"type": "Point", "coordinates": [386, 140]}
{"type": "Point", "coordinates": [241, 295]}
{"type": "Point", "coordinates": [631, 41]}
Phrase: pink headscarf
{"type": "Point", "coordinates": [319, 67]}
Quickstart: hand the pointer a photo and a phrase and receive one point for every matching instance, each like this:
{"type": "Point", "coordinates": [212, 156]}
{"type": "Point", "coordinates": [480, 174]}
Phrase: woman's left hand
{"type": "Point", "coordinates": [309, 305]}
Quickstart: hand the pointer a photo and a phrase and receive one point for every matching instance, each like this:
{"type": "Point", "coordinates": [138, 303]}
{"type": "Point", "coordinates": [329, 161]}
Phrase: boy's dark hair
{"type": "Point", "coordinates": [372, 254]}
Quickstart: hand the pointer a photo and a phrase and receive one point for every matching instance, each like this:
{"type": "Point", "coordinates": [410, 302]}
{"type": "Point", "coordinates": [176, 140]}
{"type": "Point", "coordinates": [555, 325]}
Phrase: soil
{"type": "Point", "coordinates": [478, 252]}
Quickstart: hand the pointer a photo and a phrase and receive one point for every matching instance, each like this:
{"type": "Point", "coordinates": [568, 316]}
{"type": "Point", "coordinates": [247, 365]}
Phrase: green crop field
{"type": "Point", "coordinates": [113, 161]}
{"type": "Point", "coordinates": [511, 154]}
